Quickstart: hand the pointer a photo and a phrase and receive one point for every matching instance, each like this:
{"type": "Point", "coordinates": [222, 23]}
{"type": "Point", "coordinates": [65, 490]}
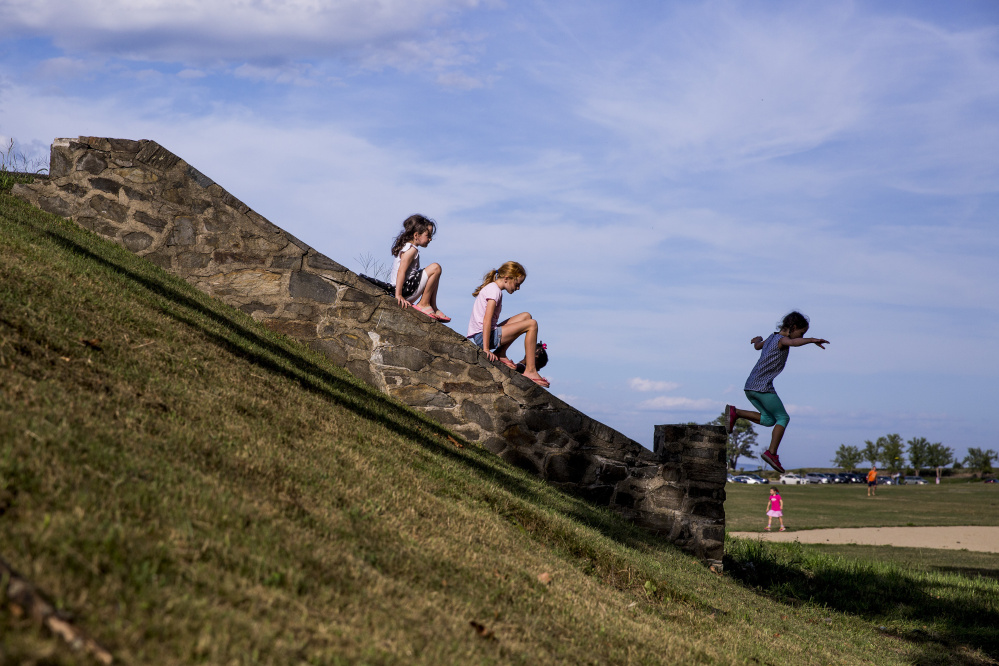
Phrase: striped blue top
{"type": "Point", "coordinates": [771, 363]}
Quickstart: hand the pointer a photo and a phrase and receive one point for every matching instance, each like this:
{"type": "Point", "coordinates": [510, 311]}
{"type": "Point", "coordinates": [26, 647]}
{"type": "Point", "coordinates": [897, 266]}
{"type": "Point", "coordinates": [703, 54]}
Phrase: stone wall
{"type": "Point", "coordinates": [147, 199]}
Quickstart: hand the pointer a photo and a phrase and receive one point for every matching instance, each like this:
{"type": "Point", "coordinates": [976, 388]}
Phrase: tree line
{"type": "Point", "coordinates": [891, 453]}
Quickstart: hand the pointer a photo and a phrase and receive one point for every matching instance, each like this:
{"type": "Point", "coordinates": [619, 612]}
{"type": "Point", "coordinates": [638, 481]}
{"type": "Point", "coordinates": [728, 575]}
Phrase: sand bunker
{"type": "Point", "coordinates": [985, 539]}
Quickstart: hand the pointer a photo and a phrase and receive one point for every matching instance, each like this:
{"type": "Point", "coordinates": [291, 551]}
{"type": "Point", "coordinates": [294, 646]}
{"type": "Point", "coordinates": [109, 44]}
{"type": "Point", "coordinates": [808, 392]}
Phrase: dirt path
{"type": "Point", "coordinates": [985, 539]}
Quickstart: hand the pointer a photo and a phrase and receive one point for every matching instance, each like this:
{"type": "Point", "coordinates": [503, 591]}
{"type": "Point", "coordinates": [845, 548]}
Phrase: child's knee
{"type": "Point", "coordinates": [766, 420]}
{"type": "Point", "coordinates": [783, 420]}
{"type": "Point", "coordinates": [435, 268]}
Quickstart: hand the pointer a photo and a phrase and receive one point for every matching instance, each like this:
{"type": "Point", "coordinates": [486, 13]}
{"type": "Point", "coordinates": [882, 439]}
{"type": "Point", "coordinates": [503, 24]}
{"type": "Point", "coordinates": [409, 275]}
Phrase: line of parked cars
{"type": "Point", "coordinates": [825, 477]}
{"type": "Point", "coordinates": [820, 477]}
{"type": "Point", "coordinates": [846, 477]}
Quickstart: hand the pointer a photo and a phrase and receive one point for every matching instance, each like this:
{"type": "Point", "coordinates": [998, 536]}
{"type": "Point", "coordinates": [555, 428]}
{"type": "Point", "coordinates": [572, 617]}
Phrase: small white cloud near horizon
{"type": "Point", "coordinates": [664, 402]}
{"type": "Point", "coordinates": [639, 384]}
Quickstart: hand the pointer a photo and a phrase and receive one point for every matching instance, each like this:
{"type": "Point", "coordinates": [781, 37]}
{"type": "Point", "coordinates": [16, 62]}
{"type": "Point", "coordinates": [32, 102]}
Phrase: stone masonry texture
{"type": "Point", "coordinates": [147, 199]}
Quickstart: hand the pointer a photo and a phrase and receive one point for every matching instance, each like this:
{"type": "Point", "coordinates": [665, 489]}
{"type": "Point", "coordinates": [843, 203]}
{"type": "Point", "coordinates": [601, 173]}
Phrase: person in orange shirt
{"type": "Point", "coordinates": [872, 482]}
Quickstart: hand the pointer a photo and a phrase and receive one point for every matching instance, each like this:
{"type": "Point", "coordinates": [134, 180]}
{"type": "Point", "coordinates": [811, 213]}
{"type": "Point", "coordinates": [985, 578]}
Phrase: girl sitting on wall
{"type": "Point", "coordinates": [414, 287]}
{"type": "Point", "coordinates": [485, 329]}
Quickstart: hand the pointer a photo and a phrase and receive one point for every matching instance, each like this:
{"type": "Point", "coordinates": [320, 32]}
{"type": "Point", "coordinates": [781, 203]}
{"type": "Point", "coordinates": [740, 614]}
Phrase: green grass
{"type": "Point", "coordinates": [814, 506]}
{"type": "Point", "coordinates": [965, 562]}
{"type": "Point", "coordinates": [195, 489]}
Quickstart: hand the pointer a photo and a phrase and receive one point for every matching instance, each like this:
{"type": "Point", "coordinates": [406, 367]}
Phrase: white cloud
{"type": "Point", "coordinates": [459, 81]}
{"type": "Point", "coordinates": [197, 31]}
{"type": "Point", "coordinates": [64, 68]}
{"type": "Point", "coordinates": [732, 87]}
{"type": "Point", "coordinates": [667, 403]}
{"type": "Point", "coordinates": [639, 384]}
{"type": "Point", "coordinates": [294, 74]}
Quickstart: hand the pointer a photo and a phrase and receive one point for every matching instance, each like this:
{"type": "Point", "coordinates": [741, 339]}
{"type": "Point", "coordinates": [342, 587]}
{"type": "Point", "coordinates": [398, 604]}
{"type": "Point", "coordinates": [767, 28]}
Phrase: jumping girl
{"type": "Point", "coordinates": [775, 509]}
{"type": "Point", "coordinates": [414, 287]}
{"type": "Point", "coordinates": [760, 385]}
{"type": "Point", "coordinates": [485, 329]}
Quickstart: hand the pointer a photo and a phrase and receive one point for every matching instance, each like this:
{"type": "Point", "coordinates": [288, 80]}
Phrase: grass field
{"type": "Point", "coordinates": [813, 506]}
{"type": "Point", "coordinates": [820, 506]}
{"type": "Point", "coordinates": [191, 488]}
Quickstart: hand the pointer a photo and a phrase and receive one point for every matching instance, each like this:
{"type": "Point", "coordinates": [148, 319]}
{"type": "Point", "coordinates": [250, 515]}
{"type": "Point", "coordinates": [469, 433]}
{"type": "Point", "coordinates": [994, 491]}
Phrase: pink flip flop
{"type": "Point", "coordinates": [442, 317]}
{"type": "Point", "coordinates": [543, 383]}
{"type": "Point", "coordinates": [429, 314]}
{"type": "Point", "coordinates": [508, 363]}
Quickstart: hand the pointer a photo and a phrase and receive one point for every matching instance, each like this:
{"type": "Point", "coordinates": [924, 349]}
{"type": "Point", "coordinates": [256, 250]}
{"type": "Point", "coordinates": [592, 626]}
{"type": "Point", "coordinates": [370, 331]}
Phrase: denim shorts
{"type": "Point", "coordinates": [497, 338]}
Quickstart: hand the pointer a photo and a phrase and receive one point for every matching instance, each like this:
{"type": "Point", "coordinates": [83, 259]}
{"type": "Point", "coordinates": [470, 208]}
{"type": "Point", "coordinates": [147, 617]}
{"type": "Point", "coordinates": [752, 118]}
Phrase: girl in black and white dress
{"type": "Point", "coordinates": [413, 286]}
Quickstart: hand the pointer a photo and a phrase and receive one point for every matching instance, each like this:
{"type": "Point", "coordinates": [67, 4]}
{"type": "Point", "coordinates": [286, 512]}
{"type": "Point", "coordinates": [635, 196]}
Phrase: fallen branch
{"type": "Point", "coordinates": [24, 599]}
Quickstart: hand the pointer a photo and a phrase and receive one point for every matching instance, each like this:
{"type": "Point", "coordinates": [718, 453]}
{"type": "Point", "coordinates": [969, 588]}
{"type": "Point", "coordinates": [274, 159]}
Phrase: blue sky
{"type": "Point", "coordinates": [675, 176]}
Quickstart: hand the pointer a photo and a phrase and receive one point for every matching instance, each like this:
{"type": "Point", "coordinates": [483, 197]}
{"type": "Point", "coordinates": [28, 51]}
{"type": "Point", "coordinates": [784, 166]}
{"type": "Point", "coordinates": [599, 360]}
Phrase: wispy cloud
{"type": "Point", "coordinates": [667, 403]}
{"type": "Point", "coordinates": [229, 30]}
{"type": "Point", "coordinates": [639, 384]}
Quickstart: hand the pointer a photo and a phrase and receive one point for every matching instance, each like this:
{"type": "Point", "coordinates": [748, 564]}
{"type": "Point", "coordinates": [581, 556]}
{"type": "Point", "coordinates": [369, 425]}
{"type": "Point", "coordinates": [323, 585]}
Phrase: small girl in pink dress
{"type": "Point", "coordinates": [775, 509]}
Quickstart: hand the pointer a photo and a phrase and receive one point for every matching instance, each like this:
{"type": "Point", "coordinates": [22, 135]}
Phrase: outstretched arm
{"type": "Point", "coordinates": [800, 342]}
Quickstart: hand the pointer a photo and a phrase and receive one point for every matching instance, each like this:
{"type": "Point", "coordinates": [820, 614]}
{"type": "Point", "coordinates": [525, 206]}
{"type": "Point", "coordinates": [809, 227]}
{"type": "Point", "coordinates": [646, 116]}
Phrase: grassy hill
{"type": "Point", "coordinates": [192, 488]}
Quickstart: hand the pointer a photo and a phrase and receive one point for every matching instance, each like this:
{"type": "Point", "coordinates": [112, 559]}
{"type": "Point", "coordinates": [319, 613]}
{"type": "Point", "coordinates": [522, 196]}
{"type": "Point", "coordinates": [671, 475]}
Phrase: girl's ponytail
{"type": "Point", "coordinates": [486, 279]}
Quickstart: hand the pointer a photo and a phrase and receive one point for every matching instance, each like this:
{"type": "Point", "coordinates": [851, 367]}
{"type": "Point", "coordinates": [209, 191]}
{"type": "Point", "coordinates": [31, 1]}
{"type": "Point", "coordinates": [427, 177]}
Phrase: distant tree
{"type": "Point", "coordinates": [740, 442]}
{"type": "Point", "coordinates": [938, 455]}
{"type": "Point", "coordinates": [979, 459]}
{"type": "Point", "coordinates": [872, 451]}
{"type": "Point", "coordinates": [890, 452]}
{"type": "Point", "coordinates": [847, 457]}
{"type": "Point", "coordinates": [918, 453]}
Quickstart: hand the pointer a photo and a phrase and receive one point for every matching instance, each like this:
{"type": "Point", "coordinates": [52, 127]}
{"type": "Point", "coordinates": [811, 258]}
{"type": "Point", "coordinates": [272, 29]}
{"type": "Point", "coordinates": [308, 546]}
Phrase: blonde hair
{"type": "Point", "coordinates": [510, 269]}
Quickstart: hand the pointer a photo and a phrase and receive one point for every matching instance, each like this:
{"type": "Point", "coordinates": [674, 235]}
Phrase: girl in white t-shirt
{"type": "Point", "coordinates": [485, 329]}
{"type": "Point", "coordinates": [415, 287]}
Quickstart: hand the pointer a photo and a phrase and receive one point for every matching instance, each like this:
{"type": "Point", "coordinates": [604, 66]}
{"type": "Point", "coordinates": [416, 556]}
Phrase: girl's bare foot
{"type": "Point", "coordinates": [507, 362]}
{"type": "Point", "coordinates": [441, 316]}
{"type": "Point", "coordinates": [537, 379]}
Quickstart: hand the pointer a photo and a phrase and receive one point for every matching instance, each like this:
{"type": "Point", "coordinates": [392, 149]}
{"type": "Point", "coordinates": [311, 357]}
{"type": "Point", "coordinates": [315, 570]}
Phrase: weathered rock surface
{"type": "Point", "coordinates": [150, 201]}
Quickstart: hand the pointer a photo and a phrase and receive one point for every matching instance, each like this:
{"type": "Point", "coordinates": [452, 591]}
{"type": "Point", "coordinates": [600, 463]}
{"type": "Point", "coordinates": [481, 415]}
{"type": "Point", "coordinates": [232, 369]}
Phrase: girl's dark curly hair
{"type": "Point", "coordinates": [411, 227]}
{"type": "Point", "coordinates": [793, 320]}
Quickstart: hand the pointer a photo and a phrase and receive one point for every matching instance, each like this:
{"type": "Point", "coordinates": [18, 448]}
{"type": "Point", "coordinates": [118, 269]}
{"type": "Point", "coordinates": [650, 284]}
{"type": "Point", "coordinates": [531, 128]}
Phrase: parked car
{"type": "Point", "coordinates": [885, 481]}
{"type": "Point", "coordinates": [856, 478]}
{"type": "Point", "coordinates": [914, 481]}
{"type": "Point", "coordinates": [840, 478]}
{"type": "Point", "coordinates": [991, 481]}
{"type": "Point", "coordinates": [750, 478]}
{"type": "Point", "coordinates": [792, 479]}
{"type": "Point", "coordinates": [816, 477]}
{"type": "Point", "coordinates": [740, 478]}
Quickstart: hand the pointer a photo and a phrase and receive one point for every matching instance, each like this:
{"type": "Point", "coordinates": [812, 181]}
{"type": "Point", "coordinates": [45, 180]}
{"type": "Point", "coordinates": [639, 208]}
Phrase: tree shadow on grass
{"type": "Point", "coordinates": [945, 614]}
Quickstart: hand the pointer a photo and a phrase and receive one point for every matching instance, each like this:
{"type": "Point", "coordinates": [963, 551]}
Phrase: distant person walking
{"type": "Point", "coordinates": [775, 509]}
{"type": "Point", "coordinates": [872, 482]}
{"type": "Point", "coordinates": [415, 287]}
{"type": "Point", "coordinates": [760, 384]}
{"type": "Point", "coordinates": [487, 332]}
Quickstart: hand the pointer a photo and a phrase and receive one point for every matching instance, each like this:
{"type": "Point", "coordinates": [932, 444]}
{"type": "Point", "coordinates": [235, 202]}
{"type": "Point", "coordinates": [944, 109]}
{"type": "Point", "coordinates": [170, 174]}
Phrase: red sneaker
{"type": "Point", "coordinates": [730, 423]}
{"type": "Point", "coordinates": [773, 460]}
